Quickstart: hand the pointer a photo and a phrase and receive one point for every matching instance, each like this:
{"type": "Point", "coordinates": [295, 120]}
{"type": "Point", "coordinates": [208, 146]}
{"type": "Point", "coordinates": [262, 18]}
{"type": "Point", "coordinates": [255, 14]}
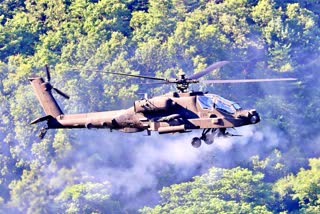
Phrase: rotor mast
{"type": "Point", "coordinates": [183, 83]}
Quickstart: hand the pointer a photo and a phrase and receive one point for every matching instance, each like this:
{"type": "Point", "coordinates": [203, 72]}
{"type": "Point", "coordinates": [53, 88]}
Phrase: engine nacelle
{"type": "Point", "coordinates": [151, 105]}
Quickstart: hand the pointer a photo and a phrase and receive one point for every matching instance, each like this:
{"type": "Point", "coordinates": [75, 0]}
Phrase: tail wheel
{"type": "Point", "coordinates": [42, 133]}
{"type": "Point", "coordinates": [196, 142]}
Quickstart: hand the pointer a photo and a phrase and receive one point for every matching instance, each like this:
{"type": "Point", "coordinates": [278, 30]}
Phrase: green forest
{"type": "Point", "coordinates": [273, 168]}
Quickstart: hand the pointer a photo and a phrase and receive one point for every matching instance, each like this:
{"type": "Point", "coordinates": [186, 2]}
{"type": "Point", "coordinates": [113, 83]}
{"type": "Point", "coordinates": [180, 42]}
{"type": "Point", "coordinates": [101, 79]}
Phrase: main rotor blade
{"type": "Point", "coordinates": [208, 69]}
{"type": "Point", "coordinates": [138, 76]}
{"type": "Point", "coordinates": [156, 83]}
{"type": "Point", "coordinates": [62, 93]}
{"type": "Point", "coordinates": [247, 80]}
{"type": "Point", "coordinates": [48, 73]}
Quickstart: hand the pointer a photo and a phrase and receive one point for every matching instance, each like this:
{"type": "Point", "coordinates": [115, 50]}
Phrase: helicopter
{"type": "Point", "coordinates": [180, 111]}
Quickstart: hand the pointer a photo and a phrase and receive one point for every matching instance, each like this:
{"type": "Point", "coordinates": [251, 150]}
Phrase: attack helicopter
{"type": "Point", "coordinates": [174, 112]}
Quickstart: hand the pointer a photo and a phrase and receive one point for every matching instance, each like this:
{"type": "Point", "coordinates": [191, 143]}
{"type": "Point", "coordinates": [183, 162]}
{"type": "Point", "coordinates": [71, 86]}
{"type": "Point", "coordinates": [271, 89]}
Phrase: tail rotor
{"type": "Point", "coordinates": [49, 86]}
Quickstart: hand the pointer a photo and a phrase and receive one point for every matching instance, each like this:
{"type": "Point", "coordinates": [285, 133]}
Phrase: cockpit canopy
{"type": "Point", "coordinates": [211, 101]}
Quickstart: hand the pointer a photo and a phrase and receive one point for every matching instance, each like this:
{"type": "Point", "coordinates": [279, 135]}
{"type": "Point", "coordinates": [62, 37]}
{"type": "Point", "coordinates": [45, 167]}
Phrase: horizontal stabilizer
{"type": "Point", "coordinates": [41, 119]}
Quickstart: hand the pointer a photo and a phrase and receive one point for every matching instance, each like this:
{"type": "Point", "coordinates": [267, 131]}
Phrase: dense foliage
{"type": "Point", "coordinates": [79, 172]}
{"type": "Point", "coordinates": [240, 190]}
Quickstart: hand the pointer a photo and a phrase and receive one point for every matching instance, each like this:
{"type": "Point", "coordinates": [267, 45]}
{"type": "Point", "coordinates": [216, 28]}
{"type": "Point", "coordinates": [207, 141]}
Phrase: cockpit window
{"type": "Point", "coordinates": [226, 105]}
{"type": "Point", "coordinates": [205, 102]}
{"type": "Point", "coordinates": [210, 101]}
{"type": "Point", "coordinates": [219, 104]}
{"type": "Point", "coordinates": [236, 106]}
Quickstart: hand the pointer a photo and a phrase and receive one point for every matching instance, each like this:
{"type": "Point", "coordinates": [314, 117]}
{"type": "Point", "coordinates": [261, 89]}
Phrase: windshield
{"type": "Point", "coordinates": [226, 105]}
{"type": "Point", "coordinates": [211, 101]}
{"type": "Point", "coordinates": [205, 102]}
{"type": "Point", "coordinates": [236, 106]}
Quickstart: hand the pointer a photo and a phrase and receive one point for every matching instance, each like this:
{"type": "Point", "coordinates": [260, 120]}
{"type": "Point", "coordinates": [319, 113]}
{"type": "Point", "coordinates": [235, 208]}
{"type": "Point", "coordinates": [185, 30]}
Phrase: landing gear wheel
{"type": "Point", "coordinates": [196, 142]}
{"type": "Point", "coordinates": [208, 139]}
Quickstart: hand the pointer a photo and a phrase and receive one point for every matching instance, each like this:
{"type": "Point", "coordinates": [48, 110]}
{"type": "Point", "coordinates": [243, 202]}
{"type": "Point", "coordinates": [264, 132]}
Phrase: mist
{"type": "Point", "coordinates": [138, 166]}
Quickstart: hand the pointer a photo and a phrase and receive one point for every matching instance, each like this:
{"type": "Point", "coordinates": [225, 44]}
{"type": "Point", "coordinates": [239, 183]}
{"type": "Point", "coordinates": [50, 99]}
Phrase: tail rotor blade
{"type": "Point", "coordinates": [48, 73]}
{"type": "Point", "coordinates": [50, 87]}
{"type": "Point", "coordinates": [61, 93]}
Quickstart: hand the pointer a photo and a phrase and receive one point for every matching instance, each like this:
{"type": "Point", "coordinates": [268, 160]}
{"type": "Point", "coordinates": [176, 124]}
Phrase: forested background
{"type": "Point", "coordinates": [274, 167]}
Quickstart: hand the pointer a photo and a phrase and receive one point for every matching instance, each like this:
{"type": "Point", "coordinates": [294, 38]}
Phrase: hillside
{"type": "Point", "coordinates": [274, 167]}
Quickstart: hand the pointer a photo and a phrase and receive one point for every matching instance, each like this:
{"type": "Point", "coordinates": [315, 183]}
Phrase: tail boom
{"type": "Point", "coordinates": [45, 97]}
{"type": "Point", "coordinates": [87, 120]}
{"type": "Point", "coordinates": [123, 120]}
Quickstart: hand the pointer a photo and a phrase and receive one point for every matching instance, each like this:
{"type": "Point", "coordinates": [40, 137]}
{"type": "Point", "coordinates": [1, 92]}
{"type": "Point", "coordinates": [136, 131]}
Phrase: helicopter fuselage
{"type": "Point", "coordinates": [169, 113]}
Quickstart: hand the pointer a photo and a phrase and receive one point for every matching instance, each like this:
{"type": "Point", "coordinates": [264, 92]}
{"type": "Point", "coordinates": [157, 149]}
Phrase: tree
{"type": "Point", "coordinates": [87, 198]}
{"type": "Point", "coordinates": [221, 190]}
{"type": "Point", "coordinates": [18, 36]}
{"type": "Point", "coordinates": [300, 192]}
{"type": "Point", "coordinates": [306, 187]}
{"type": "Point", "coordinates": [8, 8]}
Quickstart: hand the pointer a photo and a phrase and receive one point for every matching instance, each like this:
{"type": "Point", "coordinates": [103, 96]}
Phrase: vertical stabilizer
{"type": "Point", "coordinates": [45, 97]}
